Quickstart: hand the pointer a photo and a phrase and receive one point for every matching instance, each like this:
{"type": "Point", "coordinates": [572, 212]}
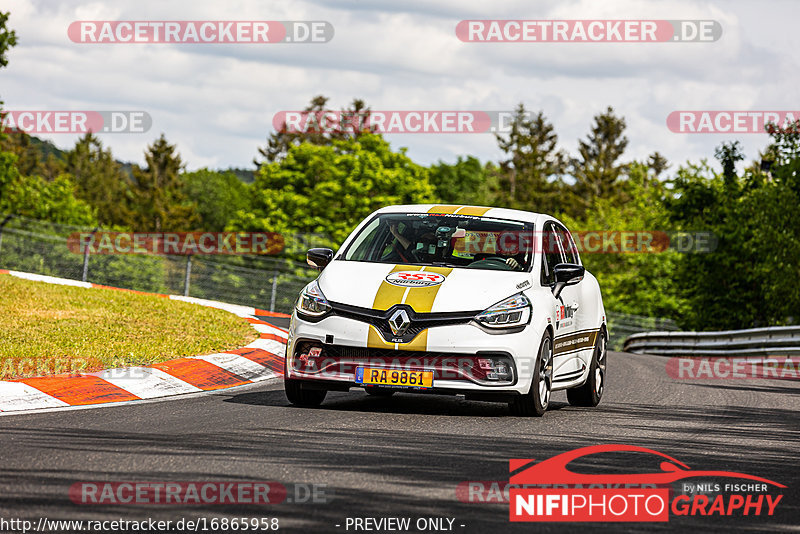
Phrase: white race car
{"type": "Point", "coordinates": [489, 303]}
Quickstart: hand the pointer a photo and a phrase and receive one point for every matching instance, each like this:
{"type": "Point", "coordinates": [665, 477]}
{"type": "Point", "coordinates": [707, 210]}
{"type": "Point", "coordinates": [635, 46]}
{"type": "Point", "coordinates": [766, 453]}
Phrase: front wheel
{"type": "Point", "coordinates": [590, 393]}
{"type": "Point", "coordinates": [536, 401]}
{"type": "Point", "coordinates": [307, 398]}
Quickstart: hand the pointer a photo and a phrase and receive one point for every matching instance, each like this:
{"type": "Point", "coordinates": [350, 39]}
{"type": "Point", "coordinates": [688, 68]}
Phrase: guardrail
{"type": "Point", "coordinates": [772, 341]}
{"type": "Point", "coordinates": [622, 325]}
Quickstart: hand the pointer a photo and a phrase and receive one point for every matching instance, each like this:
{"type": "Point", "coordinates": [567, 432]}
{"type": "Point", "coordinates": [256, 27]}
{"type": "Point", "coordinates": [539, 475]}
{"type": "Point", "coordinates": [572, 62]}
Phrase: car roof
{"type": "Point", "coordinates": [500, 213]}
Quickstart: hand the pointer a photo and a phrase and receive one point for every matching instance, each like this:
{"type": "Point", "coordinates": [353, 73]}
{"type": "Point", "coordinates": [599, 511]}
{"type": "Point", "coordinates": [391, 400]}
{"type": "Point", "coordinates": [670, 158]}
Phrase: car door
{"type": "Point", "coordinates": [558, 248]}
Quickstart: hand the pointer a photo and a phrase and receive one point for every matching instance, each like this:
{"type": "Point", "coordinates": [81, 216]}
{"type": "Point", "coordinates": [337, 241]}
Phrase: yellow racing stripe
{"type": "Point", "coordinates": [388, 294]}
{"type": "Point", "coordinates": [421, 298]}
{"type": "Point", "coordinates": [444, 209]}
{"type": "Point", "coordinates": [472, 210]}
{"type": "Point", "coordinates": [376, 341]}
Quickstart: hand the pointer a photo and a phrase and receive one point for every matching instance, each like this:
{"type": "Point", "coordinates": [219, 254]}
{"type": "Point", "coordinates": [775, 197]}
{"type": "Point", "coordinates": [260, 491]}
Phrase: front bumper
{"type": "Point", "coordinates": [452, 352]}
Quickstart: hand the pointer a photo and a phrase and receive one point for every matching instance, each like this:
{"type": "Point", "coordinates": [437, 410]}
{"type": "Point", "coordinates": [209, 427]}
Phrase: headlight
{"type": "Point", "coordinates": [511, 312]}
{"type": "Point", "coordinates": [312, 302]}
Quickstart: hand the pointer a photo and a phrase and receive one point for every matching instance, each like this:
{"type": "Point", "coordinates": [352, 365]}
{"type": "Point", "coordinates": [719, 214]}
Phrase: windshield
{"type": "Point", "coordinates": [445, 240]}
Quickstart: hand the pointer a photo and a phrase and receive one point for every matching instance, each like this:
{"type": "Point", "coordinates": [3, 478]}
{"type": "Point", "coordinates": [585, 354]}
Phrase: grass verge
{"type": "Point", "coordinates": [51, 329]}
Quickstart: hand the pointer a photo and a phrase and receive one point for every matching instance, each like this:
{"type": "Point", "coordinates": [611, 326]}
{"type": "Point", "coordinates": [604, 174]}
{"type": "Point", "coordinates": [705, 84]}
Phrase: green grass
{"type": "Point", "coordinates": [51, 329]}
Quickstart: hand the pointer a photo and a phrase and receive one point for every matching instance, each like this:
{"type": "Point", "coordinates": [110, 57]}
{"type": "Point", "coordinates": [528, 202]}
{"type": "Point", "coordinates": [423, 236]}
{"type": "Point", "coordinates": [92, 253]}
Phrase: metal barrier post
{"type": "Point", "coordinates": [2, 225]}
{"type": "Point", "coordinates": [86, 255]}
{"type": "Point", "coordinates": [274, 290]}
{"type": "Point", "coordinates": [188, 274]}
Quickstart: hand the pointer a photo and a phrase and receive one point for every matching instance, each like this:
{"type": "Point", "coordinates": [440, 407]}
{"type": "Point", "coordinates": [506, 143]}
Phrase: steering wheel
{"type": "Point", "coordinates": [498, 261]}
{"type": "Point", "coordinates": [419, 255]}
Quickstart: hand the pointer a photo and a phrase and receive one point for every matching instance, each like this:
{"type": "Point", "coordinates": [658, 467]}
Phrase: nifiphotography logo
{"type": "Point", "coordinates": [550, 491]}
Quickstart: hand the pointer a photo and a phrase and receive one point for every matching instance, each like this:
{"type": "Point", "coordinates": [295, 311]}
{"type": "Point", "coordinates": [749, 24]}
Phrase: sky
{"type": "Point", "coordinates": [217, 101]}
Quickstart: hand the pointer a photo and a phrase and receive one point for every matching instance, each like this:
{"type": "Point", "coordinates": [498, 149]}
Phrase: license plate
{"type": "Point", "coordinates": [381, 376]}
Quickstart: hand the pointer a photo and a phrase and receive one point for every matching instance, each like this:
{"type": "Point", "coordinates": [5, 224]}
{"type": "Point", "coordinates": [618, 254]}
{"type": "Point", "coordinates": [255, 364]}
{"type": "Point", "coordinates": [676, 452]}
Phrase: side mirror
{"type": "Point", "coordinates": [319, 257]}
{"type": "Point", "coordinates": [567, 274]}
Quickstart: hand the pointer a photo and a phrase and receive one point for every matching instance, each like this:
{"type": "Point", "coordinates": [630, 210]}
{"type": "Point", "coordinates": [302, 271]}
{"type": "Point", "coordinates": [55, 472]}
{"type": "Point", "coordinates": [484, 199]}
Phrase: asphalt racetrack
{"type": "Point", "coordinates": [398, 457]}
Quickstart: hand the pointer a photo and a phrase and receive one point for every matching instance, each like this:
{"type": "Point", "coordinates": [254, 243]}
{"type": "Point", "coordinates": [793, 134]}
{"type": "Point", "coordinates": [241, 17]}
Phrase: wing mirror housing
{"type": "Point", "coordinates": [319, 257]}
{"type": "Point", "coordinates": [567, 274]}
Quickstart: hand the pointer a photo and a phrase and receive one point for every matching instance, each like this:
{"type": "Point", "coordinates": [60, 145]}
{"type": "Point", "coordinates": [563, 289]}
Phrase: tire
{"type": "Point", "coordinates": [590, 393]}
{"type": "Point", "coordinates": [307, 398]}
{"type": "Point", "coordinates": [536, 401]}
{"type": "Point", "coordinates": [379, 392]}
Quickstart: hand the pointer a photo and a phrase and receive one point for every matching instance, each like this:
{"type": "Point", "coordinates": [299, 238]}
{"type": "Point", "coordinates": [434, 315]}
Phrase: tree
{"type": "Point", "coordinates": [529, 176]}
{"type": "Point", "coordinates": [657, 163]}
{"type": "Point", "coordinates": [597, 170]}
{"type": "Point", "coordinates": [466, 181]}
{"type": "Point", "coordinates": [728, 154]}
{"type": "Point", "coordinates": [640, 283]}
{"type": "Point", "coordinates": [329, 189]}
{"type": "Point", "coordinates": [8, 39]}
{"type": "Point", "coordinates": [783, 153]}
{"type": "Point", "coordinates": [32, 196]}
{"type": "Point", "coordinates": [219, 196]}
{"type": "Point", "coordinates": [352, 125]}
{"type": "Point", "coordinates": [34, 156]}
{"type": "Point", "coordinates": [101, 181]}
{"type": "Point", "coordinates": [161, 203]}
{"type": "Point", "coordinates": [742, 283]}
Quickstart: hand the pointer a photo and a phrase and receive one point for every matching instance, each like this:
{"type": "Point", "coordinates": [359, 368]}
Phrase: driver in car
{"type": "Point", "coordinates": [401, 246]}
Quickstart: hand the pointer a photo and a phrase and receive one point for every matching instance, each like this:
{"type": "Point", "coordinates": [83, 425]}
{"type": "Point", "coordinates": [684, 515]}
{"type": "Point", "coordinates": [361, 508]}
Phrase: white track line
{"type": "Point", "coordinates": [247, 369]}
{"type": "Point", "coordinates": [50, 279]}
{"type": "Point", "coordinates": [18, 396]}
{"type": "Point", "coordinates": [269, 329]}
{"type": "Point", "coordinates": [147, 382]}
{"type": "Point", "coordinates": [241, 311]}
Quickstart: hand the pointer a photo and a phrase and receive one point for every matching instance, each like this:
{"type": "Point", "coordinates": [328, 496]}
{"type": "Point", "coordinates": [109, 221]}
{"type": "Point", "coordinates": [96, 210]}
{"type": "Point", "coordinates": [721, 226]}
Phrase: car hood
{"type": "Point", "coordinates": [364, 284]}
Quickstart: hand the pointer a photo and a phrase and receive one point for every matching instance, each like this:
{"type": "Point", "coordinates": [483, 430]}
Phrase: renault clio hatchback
{"type": "Point", "coordinates": [490, 303]}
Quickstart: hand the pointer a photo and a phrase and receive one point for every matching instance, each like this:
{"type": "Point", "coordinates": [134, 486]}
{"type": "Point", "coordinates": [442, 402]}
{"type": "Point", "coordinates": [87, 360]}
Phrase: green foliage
{"type": "Point", "coordinates": [529, 177]}
{"type": "Point", "coordinates": [329, 189]}
{"type": "Point", "coordinates": [218, 196]}
{"type": "Point", "coordinates": [597, 171]}
{"type": "Point", "coordinates": [742, 284]}
{"type": "Point", "coordinates": [34, 156]}
{"type": "Point", "coordinates": [32, 196]}
{"type": "Point", "coordinates": [101, 182]}
{"type": "Point", "coordinates": [8, 39]}
{"type": "Point", "coordinates": [466, 181]}
{"type": "Point", "coordinates": [161, 202]}
{"type": "Point", "coordinates": [640, 283]}
{"type": "Point", "coordinates": [279, 142]}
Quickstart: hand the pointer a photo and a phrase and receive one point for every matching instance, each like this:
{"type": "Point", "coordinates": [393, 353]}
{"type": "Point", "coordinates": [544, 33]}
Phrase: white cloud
{"type": "Point", "coordinates": [217, 101]}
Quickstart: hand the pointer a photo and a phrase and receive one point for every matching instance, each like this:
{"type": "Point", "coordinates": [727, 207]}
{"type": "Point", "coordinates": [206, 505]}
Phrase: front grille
{"type": "Point", "coordinates": [339, 360]}
{"type": "Point", "coordinates": [419, 321]}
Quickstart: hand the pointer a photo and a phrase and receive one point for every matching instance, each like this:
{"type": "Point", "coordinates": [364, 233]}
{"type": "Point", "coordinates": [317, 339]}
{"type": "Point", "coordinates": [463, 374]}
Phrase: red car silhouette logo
{"type": "Point", "coordinates": [554, 470]}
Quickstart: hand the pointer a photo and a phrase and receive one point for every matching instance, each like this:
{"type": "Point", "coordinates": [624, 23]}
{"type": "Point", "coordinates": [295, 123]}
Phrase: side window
{"type": "Point", "coordinates": [568, 245]}
{"type": "Point", "coordinates": [552, 254]}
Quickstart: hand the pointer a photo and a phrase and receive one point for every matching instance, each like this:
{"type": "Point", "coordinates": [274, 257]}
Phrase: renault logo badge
{"type": "Point", "coordinates": [399, 322]}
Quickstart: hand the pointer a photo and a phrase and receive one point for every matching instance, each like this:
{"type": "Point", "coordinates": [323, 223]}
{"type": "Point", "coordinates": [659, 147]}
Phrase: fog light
{"type": "Point", "coordinates": [497, 369]}
{"type": "Point", "coordinates": [484, 363]}
{"type": "Point", "coordinates": [307, 358]}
